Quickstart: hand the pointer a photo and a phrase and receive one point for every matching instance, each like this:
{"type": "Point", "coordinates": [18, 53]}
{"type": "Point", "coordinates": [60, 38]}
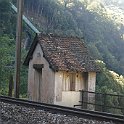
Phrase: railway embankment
{"type": "Point", "coordinates": [13, 112]}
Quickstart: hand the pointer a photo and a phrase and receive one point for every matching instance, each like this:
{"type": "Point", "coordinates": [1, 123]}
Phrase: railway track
{"type": "Point", "coordinates": [118, 119]}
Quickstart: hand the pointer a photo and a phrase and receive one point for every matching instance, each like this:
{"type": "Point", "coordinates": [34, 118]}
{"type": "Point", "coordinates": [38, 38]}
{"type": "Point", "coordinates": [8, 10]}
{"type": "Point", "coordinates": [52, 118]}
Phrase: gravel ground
{"type": "Point", "coordinates": [14, 114]}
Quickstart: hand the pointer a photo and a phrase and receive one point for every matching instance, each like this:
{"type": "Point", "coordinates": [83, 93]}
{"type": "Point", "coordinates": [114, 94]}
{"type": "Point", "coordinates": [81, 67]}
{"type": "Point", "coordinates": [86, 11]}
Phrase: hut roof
{"type": "Point", "coordinates": [63, 53]}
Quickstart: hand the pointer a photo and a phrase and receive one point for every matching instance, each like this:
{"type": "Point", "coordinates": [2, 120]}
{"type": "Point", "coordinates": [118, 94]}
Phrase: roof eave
{"type": "Point", "coordinates": [31, 50]}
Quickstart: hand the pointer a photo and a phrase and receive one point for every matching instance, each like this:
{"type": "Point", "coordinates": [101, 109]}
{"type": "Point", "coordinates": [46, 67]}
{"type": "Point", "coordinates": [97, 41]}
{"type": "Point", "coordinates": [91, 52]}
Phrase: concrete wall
{"type": "Point", "coordinates": [91, 81]}
{"type": "Point", "coordinates": [69, 98]}
{"type": "Point", "coordinates": [91, 87]}
{"type": "Point", "coordinates": [63, 96]}
{"type": "Point", "coordinates": [40, 82]}
{"type": "Point", "coordinates": [58, 86]}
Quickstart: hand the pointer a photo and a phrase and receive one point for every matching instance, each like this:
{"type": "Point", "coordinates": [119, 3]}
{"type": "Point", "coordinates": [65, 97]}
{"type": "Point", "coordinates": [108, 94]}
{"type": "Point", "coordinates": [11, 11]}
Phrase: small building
{"type": "Point", "coordinates": [58, 68]}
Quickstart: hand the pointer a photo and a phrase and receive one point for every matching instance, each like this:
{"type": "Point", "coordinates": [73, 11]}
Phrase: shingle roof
{"type": "Point", "coordinates": [64, 53]}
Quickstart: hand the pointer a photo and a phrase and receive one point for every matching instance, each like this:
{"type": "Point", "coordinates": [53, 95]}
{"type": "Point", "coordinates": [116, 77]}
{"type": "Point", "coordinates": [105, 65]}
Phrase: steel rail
{"type": "Point", "coordinates": [119, 119]}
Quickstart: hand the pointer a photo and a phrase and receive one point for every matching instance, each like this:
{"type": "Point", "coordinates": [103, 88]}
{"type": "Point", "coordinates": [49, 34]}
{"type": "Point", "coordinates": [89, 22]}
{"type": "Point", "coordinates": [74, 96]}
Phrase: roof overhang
{"type": "Point", "coordinates": [31, 50]}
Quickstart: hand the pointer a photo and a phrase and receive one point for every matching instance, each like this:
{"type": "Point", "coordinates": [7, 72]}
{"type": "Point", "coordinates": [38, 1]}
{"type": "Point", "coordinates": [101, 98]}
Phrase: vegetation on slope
{"type": "Point", "coordinates": [71, 17]}
{"type": "Point", "coordinates": [111, 83]}
{"type": "Point", "coordinates": [7, 49]}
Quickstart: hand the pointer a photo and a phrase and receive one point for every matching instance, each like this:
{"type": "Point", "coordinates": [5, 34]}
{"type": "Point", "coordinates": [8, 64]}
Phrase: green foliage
{"type": "Point", "coordinates": [7, 65]}
{"type": "Point", "coordinates": [23, 75]}
{"type": "Point", "coordinates": [109, 79]}
{"type": "Point", "coordinates": [7, 45]}
{"type": "Point", "coordinates": [73, 17]}
{"type": "Point", "coordinates": [7, 49]}
{"type": "Point", "coordinates": [111, 83]}
{"type": "Point", "coordinates": [7, 18]}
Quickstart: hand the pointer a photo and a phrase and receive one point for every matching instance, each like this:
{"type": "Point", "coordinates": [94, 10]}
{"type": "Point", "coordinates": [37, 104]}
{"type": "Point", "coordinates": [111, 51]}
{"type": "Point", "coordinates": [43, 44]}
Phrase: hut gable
{"type": "Point", "coordinates": [64, 53]}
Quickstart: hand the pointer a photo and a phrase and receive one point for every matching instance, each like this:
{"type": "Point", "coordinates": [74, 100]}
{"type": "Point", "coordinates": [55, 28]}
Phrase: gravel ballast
{"type": "Point", "coordinates": [15, 114]}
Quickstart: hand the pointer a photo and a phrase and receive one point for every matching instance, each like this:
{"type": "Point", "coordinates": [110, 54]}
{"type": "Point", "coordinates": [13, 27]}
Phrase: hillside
{"type": "Point", "coordinates": [112, 9]}
{"type": "Point", "coordinates": [91, 21]}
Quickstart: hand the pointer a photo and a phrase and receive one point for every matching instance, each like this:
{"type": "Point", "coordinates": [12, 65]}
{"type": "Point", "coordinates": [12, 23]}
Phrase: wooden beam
{"type": "Point", "coordinates": [18, 48]}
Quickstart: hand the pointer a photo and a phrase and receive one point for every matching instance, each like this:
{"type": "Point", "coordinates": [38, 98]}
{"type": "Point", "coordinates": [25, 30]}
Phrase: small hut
{"type": "Point", "coordinates": [58, 68]}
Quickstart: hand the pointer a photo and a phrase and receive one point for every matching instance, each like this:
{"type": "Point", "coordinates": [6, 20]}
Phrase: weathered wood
{"type": "Point", "coordinates": [18, 47]}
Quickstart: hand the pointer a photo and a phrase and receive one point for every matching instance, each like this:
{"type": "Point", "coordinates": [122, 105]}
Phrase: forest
{"type": "Point", "coordinates": [103, 36]}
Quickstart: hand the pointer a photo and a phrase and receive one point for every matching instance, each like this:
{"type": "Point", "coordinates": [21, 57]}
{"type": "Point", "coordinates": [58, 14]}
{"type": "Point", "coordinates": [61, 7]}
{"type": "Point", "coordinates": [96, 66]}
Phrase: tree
{"type": "Point", "coordinates": [7, 50]}
{"type": "Point", "coordinates": [109, 82]}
